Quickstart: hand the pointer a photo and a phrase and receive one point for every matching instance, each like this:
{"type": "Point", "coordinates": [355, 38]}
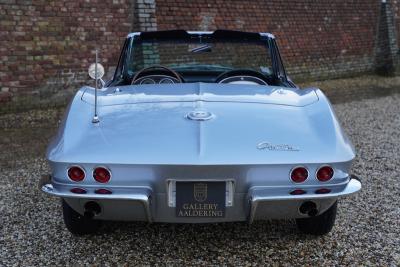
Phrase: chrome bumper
{"type": "Point", "coordinates": [137, 194]}
{"type": "Point", "coordinates": [260, 202]}
{"type": "Point", "coordinates": [262, 195]}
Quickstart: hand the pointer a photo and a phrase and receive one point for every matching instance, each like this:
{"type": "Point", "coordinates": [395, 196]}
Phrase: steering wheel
{"type": "Point", "coordinates": [154, 67]}
{"type": "Point", "coordinates": [231, 76]}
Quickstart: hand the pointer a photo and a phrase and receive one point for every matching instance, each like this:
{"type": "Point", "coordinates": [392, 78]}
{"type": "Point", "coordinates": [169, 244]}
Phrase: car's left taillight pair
{"type": "Point", "coordinates": [300, 174]}
{"type": "Point", "coordinates": [100, 174]}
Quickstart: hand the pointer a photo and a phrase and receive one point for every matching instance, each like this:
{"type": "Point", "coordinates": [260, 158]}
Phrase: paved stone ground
{"type": "Point", "coordinates": [367, 230]}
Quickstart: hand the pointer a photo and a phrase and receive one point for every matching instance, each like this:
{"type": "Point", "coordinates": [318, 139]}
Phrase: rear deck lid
{"type": "Point", "coordinates": [236, 125]}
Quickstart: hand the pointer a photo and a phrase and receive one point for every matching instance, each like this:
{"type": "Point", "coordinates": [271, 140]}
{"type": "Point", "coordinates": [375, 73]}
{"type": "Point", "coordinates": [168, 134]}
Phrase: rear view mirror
{"type": "Point", "coordinates": [199, 49]}
{"type": "Point", "coordinates": [92, 71]}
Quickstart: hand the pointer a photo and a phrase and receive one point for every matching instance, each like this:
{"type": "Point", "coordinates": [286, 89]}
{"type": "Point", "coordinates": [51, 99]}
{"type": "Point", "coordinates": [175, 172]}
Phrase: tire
{"type": "Point", "coordinates": [318, 225]}
{"type": "Point", "coordinates": [76, 223]}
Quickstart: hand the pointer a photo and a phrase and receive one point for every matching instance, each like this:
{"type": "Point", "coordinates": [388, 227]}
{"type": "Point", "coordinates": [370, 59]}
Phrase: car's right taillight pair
{"type": "Point", "coordinates": [300, 174]}
{"type": "Point", "coordinates": [100, 174]}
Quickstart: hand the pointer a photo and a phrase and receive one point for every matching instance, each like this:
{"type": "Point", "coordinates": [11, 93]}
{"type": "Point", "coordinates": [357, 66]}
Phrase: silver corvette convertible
{"type": "Point", "coordinates": [199, 127]}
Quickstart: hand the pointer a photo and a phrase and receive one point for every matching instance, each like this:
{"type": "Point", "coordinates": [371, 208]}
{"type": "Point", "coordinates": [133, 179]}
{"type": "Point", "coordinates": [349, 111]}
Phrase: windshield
{"type": "Point", "coordinates": [198, 55]}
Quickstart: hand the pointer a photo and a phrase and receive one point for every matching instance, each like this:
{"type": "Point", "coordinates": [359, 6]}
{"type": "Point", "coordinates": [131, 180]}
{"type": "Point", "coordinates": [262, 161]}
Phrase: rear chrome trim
{"type": "Point", "coordinates": [140, 194]}
{"type": "Point", "coordinates": [257, 195]}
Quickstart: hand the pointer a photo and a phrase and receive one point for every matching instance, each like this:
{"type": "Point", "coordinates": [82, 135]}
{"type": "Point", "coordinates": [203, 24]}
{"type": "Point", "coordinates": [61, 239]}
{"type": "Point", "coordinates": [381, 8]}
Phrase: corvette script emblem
{"type": "Point", "coordinates": [279, 147]}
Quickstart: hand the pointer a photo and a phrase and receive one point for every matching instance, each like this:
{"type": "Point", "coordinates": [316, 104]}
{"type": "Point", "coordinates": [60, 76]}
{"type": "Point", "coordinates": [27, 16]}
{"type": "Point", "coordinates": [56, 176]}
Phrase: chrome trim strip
{"type": "Point", "coordinates": [301, 186]}
{"type": "Point", "coordinates": [352, 187]}
{"type": "Point", "coordinates": [49, 189]}
{"type": "Point", "coordinates": [200, 32]}
{"type": "Point", "coordinates": [133, 34]}
{"type": "Point", "coordinates": [267, 34]}
{"type": "Point", "coordinates": [98, 185]}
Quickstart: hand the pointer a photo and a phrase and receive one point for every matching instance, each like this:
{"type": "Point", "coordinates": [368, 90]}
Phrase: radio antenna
{"type": "Point", "coordinates": [96, 117]}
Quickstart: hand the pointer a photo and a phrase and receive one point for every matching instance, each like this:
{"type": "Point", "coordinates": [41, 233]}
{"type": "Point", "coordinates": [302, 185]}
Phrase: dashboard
{"type": "Point", "coordinates": [158, 74]}
{"type": "Point", "coordinates": [165, 79]}
{"type": "Point", "coordinates": [156, 79]}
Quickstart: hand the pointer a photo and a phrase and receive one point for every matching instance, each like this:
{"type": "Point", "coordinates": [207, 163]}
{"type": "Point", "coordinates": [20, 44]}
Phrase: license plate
{"type": "Point", "coordinates": [200, 199]}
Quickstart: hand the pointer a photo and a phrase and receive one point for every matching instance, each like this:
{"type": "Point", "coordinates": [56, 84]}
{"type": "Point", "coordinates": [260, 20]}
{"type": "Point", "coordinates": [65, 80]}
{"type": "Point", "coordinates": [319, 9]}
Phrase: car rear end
{"type": "Point", "coordinates": [259, 155]}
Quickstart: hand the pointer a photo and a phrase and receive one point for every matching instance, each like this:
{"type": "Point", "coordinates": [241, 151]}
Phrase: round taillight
{"type": "Point", "coordinates": [324, 174]}
{"type": "Point", "coordinates": [299, 174]}
{"type": "Point", "coordinates": [101, 175]}
{"type": "Point", "coordinates": [76, 174]}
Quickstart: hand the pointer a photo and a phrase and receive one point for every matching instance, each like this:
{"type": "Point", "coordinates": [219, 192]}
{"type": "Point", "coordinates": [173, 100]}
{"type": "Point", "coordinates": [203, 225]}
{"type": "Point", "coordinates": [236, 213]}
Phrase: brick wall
{"type": "Point", "coordinates": [52, 42]}
{"type": "Point", "coordinates": [317, 39]}
{"type": "Point", "coordinates": [49, 44]}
